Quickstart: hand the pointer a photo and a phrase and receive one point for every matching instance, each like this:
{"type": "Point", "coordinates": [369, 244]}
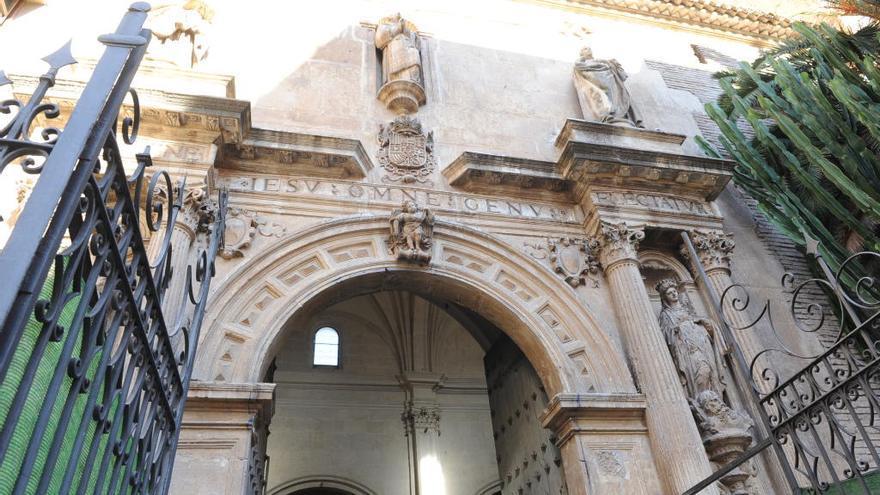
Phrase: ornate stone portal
{"type": "Point", "coordinates": [697, 347]}
{"type": "Point", "coordinates": [601, 91]}
{"type": "Point", "coordinates": [402, 87]}
{"type": "Point", "coordinates": [412, 232]}
{"type": "Point", "coordinates": [406, 152]}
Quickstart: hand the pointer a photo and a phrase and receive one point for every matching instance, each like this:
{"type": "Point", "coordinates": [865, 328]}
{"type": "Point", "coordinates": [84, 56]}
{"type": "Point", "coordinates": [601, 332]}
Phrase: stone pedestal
{"type": "Point", "coordinates": [220, 423]}
{"type": "Point", "coordinates": [675, 440]}
{"type": "Point", "coordinates": [603, 440]}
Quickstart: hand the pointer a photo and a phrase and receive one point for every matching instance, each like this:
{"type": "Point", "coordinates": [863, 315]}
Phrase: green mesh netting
{"type": "Point", "coordinates": [37, 399]}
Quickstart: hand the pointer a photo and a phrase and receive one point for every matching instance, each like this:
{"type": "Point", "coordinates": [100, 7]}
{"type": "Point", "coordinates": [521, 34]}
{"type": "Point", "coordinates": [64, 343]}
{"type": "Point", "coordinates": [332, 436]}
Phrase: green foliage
{"type": "Point", "coordinates": [811, 159]}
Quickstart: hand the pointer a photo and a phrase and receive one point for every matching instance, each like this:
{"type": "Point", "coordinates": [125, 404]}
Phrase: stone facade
{"type": "Point", "coordinates": [435, 186]}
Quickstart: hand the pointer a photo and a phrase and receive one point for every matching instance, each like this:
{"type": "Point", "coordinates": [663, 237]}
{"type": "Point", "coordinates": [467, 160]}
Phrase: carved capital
{"type": "Point", "coordinates": [421, 418]}
{"type": "Point", "coordinates": [619, 242]}
{"type": "Point", "coordinates": [713, 248]}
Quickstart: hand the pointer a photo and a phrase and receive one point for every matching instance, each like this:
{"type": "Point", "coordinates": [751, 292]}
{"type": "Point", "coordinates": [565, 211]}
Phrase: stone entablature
{"type": "Point", "coordinates": [268, 152]}
{"type": "Point", "coordinates": [493, 174]}
{"type": "Point", "coordinates": [382, 195]}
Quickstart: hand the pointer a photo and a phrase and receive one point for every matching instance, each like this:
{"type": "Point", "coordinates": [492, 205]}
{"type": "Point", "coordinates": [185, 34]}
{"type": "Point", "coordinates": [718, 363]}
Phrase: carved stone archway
{"type": "Point", "coordinates": [314, 482]}
{"type": "Point", "coordinates": [337, 259]}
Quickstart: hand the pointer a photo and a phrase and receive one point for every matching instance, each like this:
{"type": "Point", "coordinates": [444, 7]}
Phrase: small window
{"type": "Point", "coordinates": [326, 347]}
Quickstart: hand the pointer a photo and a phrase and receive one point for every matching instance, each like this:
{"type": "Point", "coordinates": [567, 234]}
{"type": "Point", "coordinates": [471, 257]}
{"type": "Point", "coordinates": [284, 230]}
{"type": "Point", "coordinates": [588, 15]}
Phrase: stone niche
{"type": "Point", "coordinates": [403, 87]}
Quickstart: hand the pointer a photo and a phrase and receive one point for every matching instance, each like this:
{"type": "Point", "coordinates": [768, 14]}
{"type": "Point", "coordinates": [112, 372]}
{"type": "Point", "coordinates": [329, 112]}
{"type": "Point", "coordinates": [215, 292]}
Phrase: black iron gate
{"type": "Point", "coordinates": [93, 378]}
{"type": "Point", "coordinates": [822, 420]}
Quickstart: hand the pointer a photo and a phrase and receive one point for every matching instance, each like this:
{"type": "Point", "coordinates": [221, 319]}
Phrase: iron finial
{"type": "Point", "coordinates": [59, 58]}
{"type": "Point", "coordinates": [811, 245]}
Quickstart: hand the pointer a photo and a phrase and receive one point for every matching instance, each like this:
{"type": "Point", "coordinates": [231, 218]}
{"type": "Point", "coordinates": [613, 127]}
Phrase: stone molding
{"type": "Point", "coordinates": [339, 257]}
{"type": "Point", "coordinates": [483, 172]}
{"type": "Point", "coordinates": [258, 398]}
{"type": "Point", "coordinates": [571, 414]}
{"type": "Point", "coordinates": [594, 154]}
{"type": "Point", "coordinates": [697, 13]}
{"type": "Point", "coordinates": [619, 242]}
{"type": "Point", "coordinates": [289, 153]}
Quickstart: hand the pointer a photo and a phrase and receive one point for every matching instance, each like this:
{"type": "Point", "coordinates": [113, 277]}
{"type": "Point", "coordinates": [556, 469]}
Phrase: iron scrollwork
{"type": "Point", "coordinates": [819, 406]}
{"type": "Point", "coordinates": [96, 374]}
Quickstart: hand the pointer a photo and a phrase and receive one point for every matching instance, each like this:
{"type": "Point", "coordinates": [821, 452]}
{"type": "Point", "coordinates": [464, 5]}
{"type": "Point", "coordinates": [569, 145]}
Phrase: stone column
{"type": "Point", "coordinates": [713, 248]}
{"type": "Point", "coordinates": [421, 420]}
{"type": "Point", "coordinates": [675, 440]}
{"type": "Point", "coordinates": [195, 214]}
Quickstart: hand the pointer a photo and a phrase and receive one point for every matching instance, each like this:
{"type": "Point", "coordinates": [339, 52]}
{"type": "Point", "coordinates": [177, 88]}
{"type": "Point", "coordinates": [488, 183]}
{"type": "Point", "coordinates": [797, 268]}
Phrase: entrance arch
{"type": "Point", "coordinates": [329, 485]}
{"type": "Point", "coordinates": [335, 259]}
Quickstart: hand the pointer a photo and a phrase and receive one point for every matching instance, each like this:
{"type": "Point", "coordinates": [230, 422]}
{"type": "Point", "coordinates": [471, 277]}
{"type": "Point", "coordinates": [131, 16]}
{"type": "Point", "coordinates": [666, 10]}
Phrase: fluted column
{"type": "Point", "coordinates": [713, 249]}
{"type": "Point", "coordinates": [196, 213]}
{"type": "Point", "coordinates": [675, 440]}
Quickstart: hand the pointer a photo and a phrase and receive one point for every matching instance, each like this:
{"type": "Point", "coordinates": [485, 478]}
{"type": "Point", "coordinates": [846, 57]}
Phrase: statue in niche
{"type": "Point", "coordinates": [697, 348]}
{"type": "Point", "coordinates": [695, 343]}
{"type": "Point", "coordinates": [601, 91]}
{"type": "Point", "coordinates": [182, 30]}
{"type": "Point", "coordinates": [402, 88]}
{"type": "Point", "coordinates": [412, 231]}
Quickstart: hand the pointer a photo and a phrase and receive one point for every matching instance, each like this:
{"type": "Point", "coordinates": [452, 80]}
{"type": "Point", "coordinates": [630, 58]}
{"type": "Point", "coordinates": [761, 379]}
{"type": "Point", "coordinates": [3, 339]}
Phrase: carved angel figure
{"type": "Point", "coordinates": [601, 91]}
{"type": "Point", "coordinates": [412, 230]}
{"type": "Point", "coordinates": [695, 343]}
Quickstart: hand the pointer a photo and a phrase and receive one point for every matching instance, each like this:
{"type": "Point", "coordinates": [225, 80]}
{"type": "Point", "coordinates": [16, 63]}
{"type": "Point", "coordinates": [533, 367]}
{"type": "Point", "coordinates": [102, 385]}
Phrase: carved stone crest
{"type": "Point", "coordinates": [574, 258]}
{"type": "Point", "coordinates": [412, 232]}
{"type": "Point", "coordinates": [241, 227]}
{"type": "Point", "coordinates": [406, 152]}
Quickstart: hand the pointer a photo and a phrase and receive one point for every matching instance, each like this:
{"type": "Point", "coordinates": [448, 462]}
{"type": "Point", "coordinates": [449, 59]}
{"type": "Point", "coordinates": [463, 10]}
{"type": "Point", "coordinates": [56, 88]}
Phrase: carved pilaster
{"type": "Point", "coordinates": [714, 248]}
{"type": "Point", "coordinates": [619, 242]}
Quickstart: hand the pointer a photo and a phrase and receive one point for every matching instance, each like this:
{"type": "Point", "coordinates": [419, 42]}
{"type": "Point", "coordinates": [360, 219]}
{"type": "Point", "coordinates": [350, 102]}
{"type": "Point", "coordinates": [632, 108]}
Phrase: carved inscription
{"type": "Point", "coordinates": [655, 202]}
{"type": "Point", "coordinates": [395, 195]}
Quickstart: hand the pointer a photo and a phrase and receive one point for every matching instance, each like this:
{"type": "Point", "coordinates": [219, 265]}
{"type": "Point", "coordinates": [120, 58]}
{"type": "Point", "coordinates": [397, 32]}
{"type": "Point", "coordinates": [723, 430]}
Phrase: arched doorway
{"type": "Point", "coordinates": [412, 396]}
{"type": "Point", "coordinates": [576, 363]}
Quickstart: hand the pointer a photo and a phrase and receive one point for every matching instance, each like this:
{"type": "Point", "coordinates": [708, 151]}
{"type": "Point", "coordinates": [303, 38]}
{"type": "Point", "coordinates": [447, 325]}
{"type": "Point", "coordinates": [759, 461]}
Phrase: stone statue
{"type": "Point", "coordinates": [695, 344]}
{"type": "Point", "coordinates": [182, 30]}
{"type": "Point", "coordinates": [715, 417]}
{"type": "Point", "coordinates": [601, 91]}
{"type": "Point", "coordinates": [402, 86]}
{"type": "Point", "coordinates": [412, 231]}
{"type": "Point", "coordinates": [697, 347]}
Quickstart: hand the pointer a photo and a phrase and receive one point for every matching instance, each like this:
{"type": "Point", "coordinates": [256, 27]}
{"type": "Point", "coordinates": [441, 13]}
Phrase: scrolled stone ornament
{"type": "Point", "coordinates": [619, 242]}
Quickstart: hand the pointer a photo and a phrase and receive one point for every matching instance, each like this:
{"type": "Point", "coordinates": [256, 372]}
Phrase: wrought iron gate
{"type": "Point", "coordinates": [822, 421]}
{"type": "Point", "coordinates": [93, 377]}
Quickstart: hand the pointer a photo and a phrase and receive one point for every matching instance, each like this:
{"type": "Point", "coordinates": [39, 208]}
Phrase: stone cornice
{"type": "Point", "coordinates": [163, 111]}
{"type": "Point", "coordinates": [604, 155]}
{"type": "Point", "coordinates": [288, 153]}
{"type": "Point", "coordinates": [699, 14]}
{"type": "Point", "coordinates": [481, 172]}
{"type": "Point", "coordinates": [232, 397]}
{"type": "Point", "coordinates": [572, 414]}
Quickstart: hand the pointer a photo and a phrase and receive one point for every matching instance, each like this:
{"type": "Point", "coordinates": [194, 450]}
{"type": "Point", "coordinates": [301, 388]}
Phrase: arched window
{"type": "Point", "coordinates": [326, 347]}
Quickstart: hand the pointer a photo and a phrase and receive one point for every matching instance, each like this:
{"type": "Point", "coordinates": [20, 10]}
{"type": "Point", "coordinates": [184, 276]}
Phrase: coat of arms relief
{"type": "Point", "coordinates": [406, 152]}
